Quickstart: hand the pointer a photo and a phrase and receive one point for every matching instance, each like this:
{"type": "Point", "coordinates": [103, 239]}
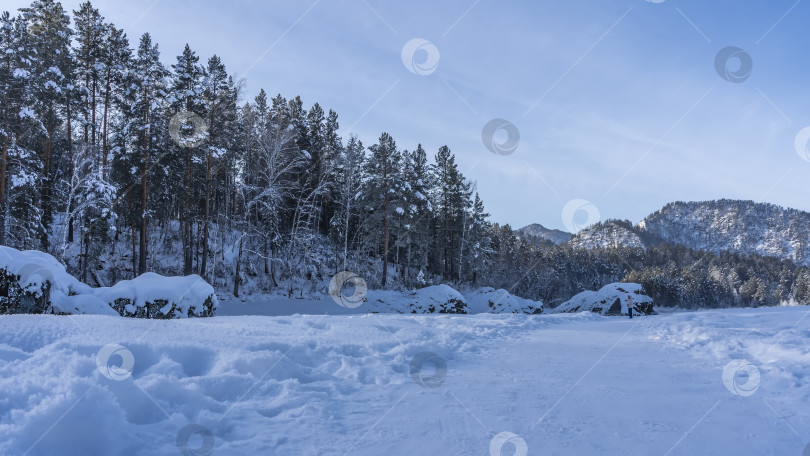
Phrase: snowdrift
{"type": "Point", "coordinates": [35, 282]}
{"type": "Point", "coordinates": [610, 300]}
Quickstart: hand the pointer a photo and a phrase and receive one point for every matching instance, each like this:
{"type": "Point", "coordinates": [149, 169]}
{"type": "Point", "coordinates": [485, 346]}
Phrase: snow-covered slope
{"type": "Point", "coordinates": [602, 301]}
{"type": "Point", "coordinates": [539, 231]}
{"type": "Point", "coordinates": [742, 227]}
{"type": "Point", "coordinates": [568, 384]}
{"type": "Point", "coordinates": [738, 226]}
{"type": "Point", "coordinates": [612, 233]}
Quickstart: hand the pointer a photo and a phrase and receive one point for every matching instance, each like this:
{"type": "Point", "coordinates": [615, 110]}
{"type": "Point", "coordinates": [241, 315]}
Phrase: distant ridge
{"type": "Point", "coordinates": [537, 230]}
{"type": "Point", "coordinates": [735, 226]}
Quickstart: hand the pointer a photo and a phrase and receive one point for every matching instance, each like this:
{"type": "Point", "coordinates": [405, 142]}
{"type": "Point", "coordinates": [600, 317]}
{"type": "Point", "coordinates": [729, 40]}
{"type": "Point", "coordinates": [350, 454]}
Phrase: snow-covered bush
{"type": "Point", "coordinates": [610, 300]}
{"type": "Point", "coordinates": [488, 299]}
{"type": "Point", "coordinates": [152, 295]}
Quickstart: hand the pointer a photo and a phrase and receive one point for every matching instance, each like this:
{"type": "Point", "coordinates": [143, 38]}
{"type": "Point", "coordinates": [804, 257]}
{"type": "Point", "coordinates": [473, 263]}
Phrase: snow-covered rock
{"type": "Point", "coordinates": [490, 300]}
{"type": "Point", "coordinates": [31, 280]}
{"type": "Point", "coordinates": [152, 295]}
{"type": "Point", "coordinates": [432, 299]}
{"type": "Point", "coordinates": [610, 300]}
{"type": "Point", "coordinates": [35, 282]}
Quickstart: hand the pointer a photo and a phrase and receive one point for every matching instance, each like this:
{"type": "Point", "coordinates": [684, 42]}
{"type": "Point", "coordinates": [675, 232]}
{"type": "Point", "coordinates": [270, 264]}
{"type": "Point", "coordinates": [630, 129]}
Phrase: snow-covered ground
{"type": "Point", "coordinates": [567, 384]}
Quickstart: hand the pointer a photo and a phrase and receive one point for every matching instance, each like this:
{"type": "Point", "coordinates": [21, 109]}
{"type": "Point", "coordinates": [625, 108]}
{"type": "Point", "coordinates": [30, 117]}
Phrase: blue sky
{"type": "Point", "coordinates": [617, 103]}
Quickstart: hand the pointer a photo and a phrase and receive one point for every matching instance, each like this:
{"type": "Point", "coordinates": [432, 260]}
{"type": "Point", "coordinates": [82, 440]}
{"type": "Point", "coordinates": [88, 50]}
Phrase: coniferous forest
{"type": "Point", "coordinates": [117, 164]}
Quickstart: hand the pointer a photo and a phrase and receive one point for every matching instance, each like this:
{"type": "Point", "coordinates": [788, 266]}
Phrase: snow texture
{"type": "Point", "coordinates": [335, 385]}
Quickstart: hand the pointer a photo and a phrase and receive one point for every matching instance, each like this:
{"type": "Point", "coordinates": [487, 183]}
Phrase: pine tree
{"type": "Point", "coordinates": [50, 33]}
{"type": "Point", "coordinates": [478, 234]}
{"type": "Point", "coordinates": [348, 185]}
{"type": "Point", "coordinates": [415, 236]}
{"type": "Point", "coordinates": [140, 143]}
{"type": "Point", "coordinates": [187, 97]}
{"type": "Point", "coordinates": [382, 193]}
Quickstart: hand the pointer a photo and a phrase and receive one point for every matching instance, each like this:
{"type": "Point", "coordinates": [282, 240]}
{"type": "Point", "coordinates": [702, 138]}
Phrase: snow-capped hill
{"type": "Point", "coordinates": [539, 231]}
{"type": "Point", "coordinates": [737, 226]}
{"type": "Point", "coordinates": [490, 300]}
{"type": "Point", "coordinates": [611, 233]}
{"type": "Point", "coordinates": [609, 300]}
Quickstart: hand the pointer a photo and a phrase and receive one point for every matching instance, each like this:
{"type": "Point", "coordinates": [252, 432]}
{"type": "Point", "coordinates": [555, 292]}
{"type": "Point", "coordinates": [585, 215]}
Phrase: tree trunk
{"type": "Point", "coordinates": [207, 214]}
{"type": "Point", "coordinates": [144, 215]}
{"type": "Point", "coordinates": [70, 170]}
{"type": "Point", "coordinates": [236, 278]}
{"type": "Point", "coordinates": [385, 241]}
{"type": "Point", "coordinates": [186, 219]}
{"type": "Point", "coordinates": [105, 146]}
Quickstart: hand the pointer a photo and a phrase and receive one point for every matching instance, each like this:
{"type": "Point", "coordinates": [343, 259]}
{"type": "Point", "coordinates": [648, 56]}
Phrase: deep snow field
{"type": "Point", "coordinates": [578, 384]}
